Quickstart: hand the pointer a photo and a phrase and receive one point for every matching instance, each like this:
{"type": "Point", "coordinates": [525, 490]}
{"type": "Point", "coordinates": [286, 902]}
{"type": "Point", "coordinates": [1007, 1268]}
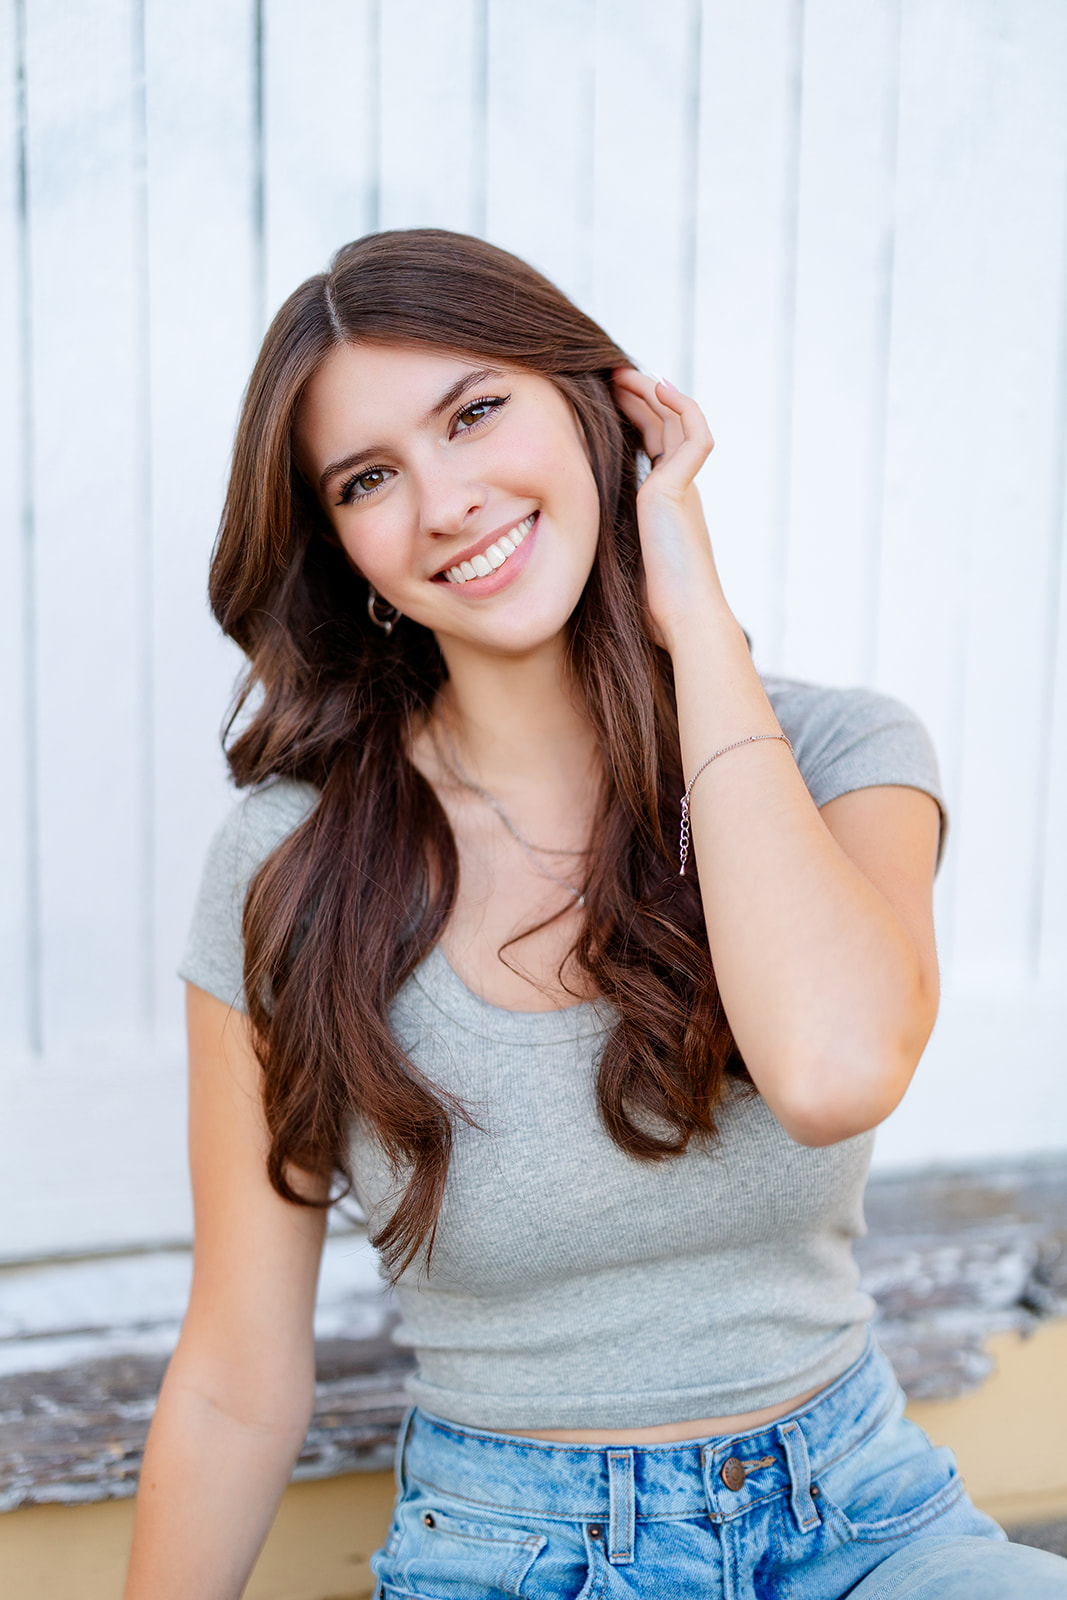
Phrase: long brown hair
{"type": "Point", "coordinates": [348, 905]}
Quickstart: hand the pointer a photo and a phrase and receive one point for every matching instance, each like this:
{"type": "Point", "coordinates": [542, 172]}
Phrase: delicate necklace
{"type": "Point", "coordinates": [463, 777]}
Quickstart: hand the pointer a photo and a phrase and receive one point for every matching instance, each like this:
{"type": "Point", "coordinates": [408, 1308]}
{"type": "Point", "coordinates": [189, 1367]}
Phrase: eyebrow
{"type": "Point", "coordinates": [447, 400]}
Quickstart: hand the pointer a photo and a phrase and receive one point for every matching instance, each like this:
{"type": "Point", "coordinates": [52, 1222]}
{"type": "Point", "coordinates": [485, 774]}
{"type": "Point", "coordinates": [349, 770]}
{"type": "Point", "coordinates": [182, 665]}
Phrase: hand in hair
{"type": "Point", "coordinates": [680, 574]}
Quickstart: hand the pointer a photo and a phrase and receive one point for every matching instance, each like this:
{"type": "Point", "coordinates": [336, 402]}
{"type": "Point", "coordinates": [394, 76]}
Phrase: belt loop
{"type": "Point", "coordinates": [796, 1454]}
{"type": "Point", "coordinates": [621, 1507]}
{"type": "Point", "coordinates": [401, 1444]}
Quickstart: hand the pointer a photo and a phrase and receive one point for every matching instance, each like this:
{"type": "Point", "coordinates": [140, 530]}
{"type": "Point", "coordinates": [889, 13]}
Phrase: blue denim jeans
{"type": "Point", "coordinates": [844, 1496]}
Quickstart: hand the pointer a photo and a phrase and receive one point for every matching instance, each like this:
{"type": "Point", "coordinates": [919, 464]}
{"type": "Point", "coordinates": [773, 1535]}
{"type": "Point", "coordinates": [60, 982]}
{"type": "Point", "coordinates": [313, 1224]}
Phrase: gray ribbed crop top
{"type": "Point", "coordinates": [572, 1285]}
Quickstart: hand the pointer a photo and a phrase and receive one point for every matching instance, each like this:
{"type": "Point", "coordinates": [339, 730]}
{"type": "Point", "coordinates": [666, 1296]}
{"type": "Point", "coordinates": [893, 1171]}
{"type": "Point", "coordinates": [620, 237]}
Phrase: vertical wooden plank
{"type": "Point", "coordinates": [990, 1085]}
{"type": "Point", "coordinates": [844, 266]}
{"type": "Point", "coordinates": [1009, 650]}
{"type": "Point", "coordinates": [973, 398]}
{"type": "Point", "coordinates": [320, 134]}
{"type": "Point", "coordinates": [16, 977]}
{"type": "Point", "coordinates": [92, 1151]}
{"type": "Point", "coordinates": [433, 123]}
{"type": "Point", "coordinates": [1052, 891]}
{"type": "Point", "coordinates": [745, 285]}
{"type": "Point", "coordinates": [647, 107]}
{"type": "Point", "coordinates": [539, 196]}
{"type": "Point", "coordinates": [84, 309]}
{"type": "Point", "coordinates": [201, 250]}
{"type": "Point", "coordinates": [928, 494]}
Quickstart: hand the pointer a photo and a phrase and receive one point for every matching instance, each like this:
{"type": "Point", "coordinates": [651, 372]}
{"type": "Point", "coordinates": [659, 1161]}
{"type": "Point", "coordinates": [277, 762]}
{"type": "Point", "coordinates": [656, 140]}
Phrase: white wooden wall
{"type": "Point", "coordinates": [843, 222]}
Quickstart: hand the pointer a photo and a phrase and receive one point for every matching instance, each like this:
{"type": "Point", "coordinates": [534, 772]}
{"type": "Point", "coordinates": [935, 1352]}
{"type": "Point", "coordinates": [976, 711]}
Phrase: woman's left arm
{"type": "Point", "coordinates": [820, 924]}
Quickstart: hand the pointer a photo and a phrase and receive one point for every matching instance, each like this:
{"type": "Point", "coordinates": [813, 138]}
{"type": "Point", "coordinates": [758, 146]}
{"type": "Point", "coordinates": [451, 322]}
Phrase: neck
{"type": "Point", "coordinates": [518, 722]}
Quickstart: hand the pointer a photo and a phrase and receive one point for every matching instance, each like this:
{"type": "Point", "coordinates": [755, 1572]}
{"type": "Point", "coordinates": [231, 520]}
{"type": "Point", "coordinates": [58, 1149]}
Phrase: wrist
{"type": "Point", "coordinates": [719, 693]}
{"type": "Point", "coordinates": [702, 625]}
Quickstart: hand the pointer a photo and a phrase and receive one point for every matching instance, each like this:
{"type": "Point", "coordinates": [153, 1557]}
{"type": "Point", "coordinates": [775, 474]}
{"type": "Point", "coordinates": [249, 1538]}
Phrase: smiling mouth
{"type": "Point", "coordinates": [494, 557]}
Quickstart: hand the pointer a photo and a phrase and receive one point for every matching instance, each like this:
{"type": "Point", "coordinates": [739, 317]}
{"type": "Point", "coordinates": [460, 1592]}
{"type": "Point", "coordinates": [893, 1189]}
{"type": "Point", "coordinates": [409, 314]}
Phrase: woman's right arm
{"type": "Point", "coordinates": [236, 1402]}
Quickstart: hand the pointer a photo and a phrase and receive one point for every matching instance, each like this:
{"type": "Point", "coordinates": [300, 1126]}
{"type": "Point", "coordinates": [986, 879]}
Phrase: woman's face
{"type": "Point", "coordinates": [460, 489]}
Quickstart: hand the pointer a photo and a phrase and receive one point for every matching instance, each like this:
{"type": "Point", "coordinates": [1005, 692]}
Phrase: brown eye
{"type": "Point", "coordinates": [363, 484]}
{"type": "Point", "coordinates": [477, 412]}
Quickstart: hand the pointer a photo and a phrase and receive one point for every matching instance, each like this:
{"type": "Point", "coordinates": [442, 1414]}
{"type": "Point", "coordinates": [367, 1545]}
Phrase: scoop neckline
{"type": "Point", "coordinates": [442, 984]}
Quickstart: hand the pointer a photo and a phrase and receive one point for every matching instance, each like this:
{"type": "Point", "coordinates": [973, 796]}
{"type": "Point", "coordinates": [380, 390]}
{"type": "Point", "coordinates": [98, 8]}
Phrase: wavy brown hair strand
{"type": "Point", "coordinates": [343, 911]}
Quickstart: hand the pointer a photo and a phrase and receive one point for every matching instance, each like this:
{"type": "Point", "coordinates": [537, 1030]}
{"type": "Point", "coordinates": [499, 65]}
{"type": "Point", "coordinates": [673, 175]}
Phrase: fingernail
{"type": "Point", "coordinates": [666, 382]}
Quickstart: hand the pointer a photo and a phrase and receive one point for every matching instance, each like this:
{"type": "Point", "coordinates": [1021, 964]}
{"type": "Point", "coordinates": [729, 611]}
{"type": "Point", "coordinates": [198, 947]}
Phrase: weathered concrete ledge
{"type": "Point", "coordinates": [950, 1259]}
{"type": "Point", "coordinates": [953, 1257]}
{"type": "Point", "coordinates": [77, 1434]}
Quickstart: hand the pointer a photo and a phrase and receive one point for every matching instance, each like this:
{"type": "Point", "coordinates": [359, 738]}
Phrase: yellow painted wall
{"type": "Point", "coordinates": [318, 1549]}
{"type": "Point", "coordinates": [1010, 1437]}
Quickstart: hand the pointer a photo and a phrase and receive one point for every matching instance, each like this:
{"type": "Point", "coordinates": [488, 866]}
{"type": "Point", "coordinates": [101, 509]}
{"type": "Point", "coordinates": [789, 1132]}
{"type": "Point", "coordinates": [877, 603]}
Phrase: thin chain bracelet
{"type": "Point", "coordinates": [683, 838]}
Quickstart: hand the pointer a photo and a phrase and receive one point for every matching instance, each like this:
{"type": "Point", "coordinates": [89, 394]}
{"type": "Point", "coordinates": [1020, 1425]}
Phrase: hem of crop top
{"type": "Point", "coordinates": [676, 1432]}
{"type": "Point", "coordinates": [642, 1408]}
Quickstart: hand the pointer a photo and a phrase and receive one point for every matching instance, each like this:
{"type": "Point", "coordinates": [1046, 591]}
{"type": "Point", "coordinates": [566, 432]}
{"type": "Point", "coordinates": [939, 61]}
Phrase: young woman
{"type": "Point", "coordinates": [609, 1120]}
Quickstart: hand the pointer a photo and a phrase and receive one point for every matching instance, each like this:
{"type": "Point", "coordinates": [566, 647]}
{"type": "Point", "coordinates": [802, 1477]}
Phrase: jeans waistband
{"type": "Point", "coordinates": [721, 1477]}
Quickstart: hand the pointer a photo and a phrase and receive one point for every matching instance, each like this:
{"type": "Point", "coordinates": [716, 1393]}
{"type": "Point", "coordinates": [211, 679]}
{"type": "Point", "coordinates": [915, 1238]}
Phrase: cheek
{"type": "Point", "coordinates": [373, 544]}
{"type": "Point", "coordinates": [353, 549]}
{"type": "Point", "coordinates": [590, 498]}
{"type": "Point", "coordinates": [562, 471]}
{"type": "Point", "coordinates": [582, 501]}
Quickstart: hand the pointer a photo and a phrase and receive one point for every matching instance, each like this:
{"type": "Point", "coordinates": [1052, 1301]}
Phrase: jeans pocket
{"type": "Point", "coordinates": [436, 1552]}
{"type": "Point", "coordinates": [891, 1485]}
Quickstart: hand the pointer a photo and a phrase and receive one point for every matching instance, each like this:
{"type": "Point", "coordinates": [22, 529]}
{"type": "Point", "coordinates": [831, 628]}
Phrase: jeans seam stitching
{"type": "Point", "coordinates": [880, 1421]}
{"type": "Point", "coordinates": [509, 1510]}
{"type": "Point", "coordinates": [945, 1498]}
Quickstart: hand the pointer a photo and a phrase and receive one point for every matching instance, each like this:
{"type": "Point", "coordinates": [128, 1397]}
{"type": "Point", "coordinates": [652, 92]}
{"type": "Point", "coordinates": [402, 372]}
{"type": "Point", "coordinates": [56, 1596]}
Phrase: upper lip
{"type": "Point", "coordinates": [481, 545]}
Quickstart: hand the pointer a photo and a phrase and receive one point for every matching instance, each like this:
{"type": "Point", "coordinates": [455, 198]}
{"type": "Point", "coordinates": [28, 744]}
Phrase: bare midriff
{"type": "Point", "coordinates": [669, 1432]}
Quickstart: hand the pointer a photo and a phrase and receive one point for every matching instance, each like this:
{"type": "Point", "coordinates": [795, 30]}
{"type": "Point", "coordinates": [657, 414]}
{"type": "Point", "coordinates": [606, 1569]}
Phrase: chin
{"type": "Point", "coordinates": [515, 644]}
{"type": "Point", "coordinates": [519, 630]}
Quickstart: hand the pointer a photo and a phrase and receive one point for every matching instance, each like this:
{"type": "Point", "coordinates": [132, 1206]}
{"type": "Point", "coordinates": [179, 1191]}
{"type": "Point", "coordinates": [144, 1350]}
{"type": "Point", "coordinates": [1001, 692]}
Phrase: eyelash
{"type": "Point", "coordinates": [494, 403]}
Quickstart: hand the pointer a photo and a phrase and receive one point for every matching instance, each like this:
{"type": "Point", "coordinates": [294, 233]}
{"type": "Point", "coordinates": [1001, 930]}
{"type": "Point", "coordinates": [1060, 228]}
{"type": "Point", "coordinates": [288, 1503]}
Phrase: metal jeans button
{"type": "Point", "coordinates": [732, 1473]}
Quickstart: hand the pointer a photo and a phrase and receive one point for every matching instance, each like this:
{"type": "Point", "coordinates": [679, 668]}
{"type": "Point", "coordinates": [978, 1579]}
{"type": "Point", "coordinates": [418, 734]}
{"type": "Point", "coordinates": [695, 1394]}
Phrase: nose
{"type": "Point", "coordinates": [448, 497]}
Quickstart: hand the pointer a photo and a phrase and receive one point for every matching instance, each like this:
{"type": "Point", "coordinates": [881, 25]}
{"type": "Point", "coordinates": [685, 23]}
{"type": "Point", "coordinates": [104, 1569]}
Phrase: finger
{"type": "Point", "coordinates": [673, 421]}
{"type": "Point", "coordinates": [640, 407]}
{"type": "Point", "coordinates": [661, 427]}
{"type": "Point", "coordinates": [656, 393]}
{"type": "Point", "coordinates": [647, 422]}
{"type": "Point", "coordinates": [692, 420]}
{"type": "Point", "coordinates": [680, 418]}
{"type": "Point", "coordinates": [689, 437]}
{"type": "Point", "coordinates": [642, 386]}
{"type": "Point", "coordinates": [684, 438]}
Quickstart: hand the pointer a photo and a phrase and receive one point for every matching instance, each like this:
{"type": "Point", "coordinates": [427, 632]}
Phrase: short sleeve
{"type": "Point", "coordinates": [214, 950]}
{"type": "Point", "coordinates": [847, 739]}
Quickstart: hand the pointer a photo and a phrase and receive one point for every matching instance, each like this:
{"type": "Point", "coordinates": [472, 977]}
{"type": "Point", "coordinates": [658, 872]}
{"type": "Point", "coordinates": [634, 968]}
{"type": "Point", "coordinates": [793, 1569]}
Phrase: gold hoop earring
{"type": "Point", "coordinates": [386, 620]}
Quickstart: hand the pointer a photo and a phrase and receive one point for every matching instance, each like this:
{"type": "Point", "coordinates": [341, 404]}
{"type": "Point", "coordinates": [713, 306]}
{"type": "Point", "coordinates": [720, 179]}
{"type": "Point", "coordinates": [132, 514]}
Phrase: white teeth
{"type": "Point", "coordinates": [489, 560]}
